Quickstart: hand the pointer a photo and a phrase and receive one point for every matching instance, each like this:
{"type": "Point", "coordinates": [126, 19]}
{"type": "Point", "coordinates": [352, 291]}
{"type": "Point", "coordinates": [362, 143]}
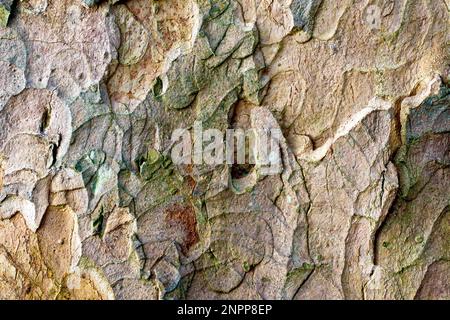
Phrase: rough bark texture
{"type": "Point", "coordinates": [91, 207]}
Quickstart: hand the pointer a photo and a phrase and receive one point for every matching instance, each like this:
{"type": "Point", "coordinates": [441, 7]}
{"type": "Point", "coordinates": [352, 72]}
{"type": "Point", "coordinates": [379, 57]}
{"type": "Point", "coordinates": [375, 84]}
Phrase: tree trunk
{"type": "Point", "coordinates": [118, 178]}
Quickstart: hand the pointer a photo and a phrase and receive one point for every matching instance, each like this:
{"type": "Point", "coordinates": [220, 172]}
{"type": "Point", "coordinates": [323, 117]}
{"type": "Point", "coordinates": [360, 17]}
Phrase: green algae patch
{"type": "Point", "coordinates": [4, 15]}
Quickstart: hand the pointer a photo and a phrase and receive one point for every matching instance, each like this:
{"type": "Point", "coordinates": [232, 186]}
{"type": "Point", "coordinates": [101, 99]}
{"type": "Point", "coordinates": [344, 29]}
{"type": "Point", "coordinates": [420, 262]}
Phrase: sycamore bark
{"type": "Point", "coordinates": [93, 207]}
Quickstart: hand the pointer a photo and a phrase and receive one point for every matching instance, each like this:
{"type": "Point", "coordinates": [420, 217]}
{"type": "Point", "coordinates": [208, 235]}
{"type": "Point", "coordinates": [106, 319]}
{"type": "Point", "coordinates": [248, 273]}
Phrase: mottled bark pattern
{"type": "Point", "coordinates": [93, 207]}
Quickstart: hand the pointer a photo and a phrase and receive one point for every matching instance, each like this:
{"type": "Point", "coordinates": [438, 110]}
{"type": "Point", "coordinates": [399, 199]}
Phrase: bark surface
{"type": "Point", "coordinates": [92, 206]}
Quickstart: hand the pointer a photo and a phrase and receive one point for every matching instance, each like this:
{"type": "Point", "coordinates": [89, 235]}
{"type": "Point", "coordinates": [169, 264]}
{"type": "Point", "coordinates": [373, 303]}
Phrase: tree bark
{"type": "Point", "coordinates": [94, 203]}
